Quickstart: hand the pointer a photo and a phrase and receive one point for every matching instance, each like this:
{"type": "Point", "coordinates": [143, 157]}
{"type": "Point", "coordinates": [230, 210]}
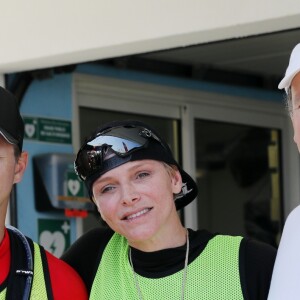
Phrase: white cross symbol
{"type": "Point", "coordinates": [65, 227]}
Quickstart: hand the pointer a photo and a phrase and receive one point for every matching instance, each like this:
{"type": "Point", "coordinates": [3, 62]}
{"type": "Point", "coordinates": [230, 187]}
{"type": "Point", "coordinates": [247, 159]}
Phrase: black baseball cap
{"type": "Point", "coordinates": [11, 122]}
{"type": "Point", "coordinates": [90, 167]}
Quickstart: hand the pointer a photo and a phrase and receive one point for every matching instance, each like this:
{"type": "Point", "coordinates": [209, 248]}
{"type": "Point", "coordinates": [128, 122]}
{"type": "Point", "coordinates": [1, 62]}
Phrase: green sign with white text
{"type": "Point", "coordinates": [48, 130]}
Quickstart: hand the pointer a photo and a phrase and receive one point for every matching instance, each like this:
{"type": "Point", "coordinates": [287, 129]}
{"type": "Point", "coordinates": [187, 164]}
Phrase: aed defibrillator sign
{"type": "Point", "coordinates": [48, 130]}
{"type": "Point", "coordinates": [54, 235]}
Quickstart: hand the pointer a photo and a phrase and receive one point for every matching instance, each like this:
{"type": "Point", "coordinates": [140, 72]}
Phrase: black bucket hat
{"type": "Point", "coordinates": [11, 122]}
{"type": "Point", "coordinates": [156, 149]}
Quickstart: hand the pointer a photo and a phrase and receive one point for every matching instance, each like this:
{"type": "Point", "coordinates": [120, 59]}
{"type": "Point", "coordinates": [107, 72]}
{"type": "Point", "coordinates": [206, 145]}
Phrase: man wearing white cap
{"type": "Point", "coordinates": [286, 275]}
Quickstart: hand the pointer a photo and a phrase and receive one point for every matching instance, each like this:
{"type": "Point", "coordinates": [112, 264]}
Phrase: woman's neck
{"type": "Point", "coordinates": [175, 237]}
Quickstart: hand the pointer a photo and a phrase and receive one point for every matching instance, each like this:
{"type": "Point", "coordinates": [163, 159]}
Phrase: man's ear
{"type": "Point", "coordinates": [20, 166]}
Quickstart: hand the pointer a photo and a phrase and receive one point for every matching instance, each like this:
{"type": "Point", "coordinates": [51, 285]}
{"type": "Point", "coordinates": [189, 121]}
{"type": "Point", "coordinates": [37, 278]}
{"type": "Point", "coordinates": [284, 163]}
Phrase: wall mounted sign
{"type": "Point", "coordinates": [48, 130]}
{"type": "Point", "coordinates": [54, 235]}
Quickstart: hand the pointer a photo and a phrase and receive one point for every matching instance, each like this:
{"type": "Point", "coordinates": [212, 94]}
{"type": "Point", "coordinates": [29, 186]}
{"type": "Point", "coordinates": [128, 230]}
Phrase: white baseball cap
{"type": "Point", "coordinates": [292, 69]}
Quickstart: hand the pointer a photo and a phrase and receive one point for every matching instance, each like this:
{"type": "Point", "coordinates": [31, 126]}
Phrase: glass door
{"type": "Point", "coordinates": [239, 178]}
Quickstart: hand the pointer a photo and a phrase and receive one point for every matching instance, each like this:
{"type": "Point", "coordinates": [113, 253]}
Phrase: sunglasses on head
{"type": "Point", "coordinates": [121, 140]}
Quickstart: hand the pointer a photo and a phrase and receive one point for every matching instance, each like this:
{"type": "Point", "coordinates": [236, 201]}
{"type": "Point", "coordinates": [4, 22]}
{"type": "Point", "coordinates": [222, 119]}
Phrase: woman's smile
{"type": "Point", "coordinates": [138, 214]}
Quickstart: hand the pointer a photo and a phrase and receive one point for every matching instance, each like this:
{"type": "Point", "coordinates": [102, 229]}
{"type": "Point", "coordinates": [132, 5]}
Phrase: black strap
{"type": "Point", "coordinates": [19, 271]}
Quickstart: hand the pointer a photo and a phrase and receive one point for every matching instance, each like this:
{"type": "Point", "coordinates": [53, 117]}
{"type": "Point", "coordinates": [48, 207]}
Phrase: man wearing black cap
{"type": "Point", "coordinates": [286, 275]}
{"type": "Point", "coordinates": [27, 271]}
{"type": "Point", "coordinates": [146, 253]}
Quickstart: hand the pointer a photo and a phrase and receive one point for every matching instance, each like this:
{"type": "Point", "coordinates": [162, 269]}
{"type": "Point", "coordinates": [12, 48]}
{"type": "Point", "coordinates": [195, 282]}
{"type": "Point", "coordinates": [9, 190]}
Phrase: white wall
{"type": "Point", "coordinates": [38, 34]}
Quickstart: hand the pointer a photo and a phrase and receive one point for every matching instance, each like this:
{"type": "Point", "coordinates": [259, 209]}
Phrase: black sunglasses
{"type": "Point", "coordinates": [122, 140]}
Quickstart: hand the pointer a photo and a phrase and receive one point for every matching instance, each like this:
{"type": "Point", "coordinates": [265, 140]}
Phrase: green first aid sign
{"type": "Point", "coordinates": [75, 187]}
{"type": "Point", "coordinates": [48, 130]}
{"type": "Point", "coordinates": [54, 235]}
